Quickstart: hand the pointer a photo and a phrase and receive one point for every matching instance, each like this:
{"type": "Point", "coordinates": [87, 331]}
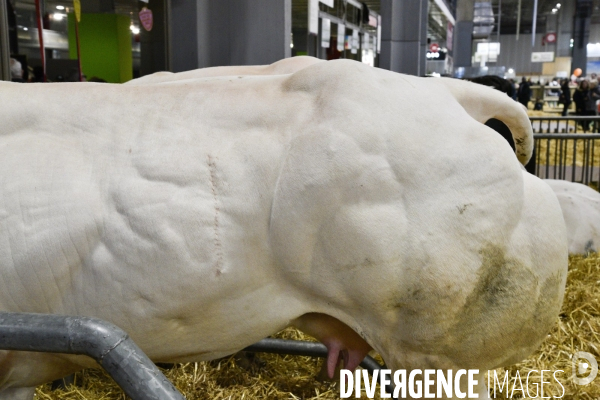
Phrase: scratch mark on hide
{"type": "Point", "coordinates": [212, 167]}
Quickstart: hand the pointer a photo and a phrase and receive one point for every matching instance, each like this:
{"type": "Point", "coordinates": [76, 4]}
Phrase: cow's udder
{"type": "Point", "coordinates": [341, 341]}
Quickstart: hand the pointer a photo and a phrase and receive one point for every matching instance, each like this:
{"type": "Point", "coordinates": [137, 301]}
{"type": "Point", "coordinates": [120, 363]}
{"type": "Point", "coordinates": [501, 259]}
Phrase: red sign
{"type": "Point", "coordinates": [434, 47]}
{"type": "Point", "coordinates": [549, 38]}
{"type": "Point", "coordinates": [146, 19]}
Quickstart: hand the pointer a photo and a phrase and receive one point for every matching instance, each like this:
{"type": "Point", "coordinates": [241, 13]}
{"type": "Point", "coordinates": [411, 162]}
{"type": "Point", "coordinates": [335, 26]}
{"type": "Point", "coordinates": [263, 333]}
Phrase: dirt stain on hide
{"type": "Point", "coordinates": [589, 246]}
{"type": "Point", "coordinates": [507, 309]}
{"type": "Point", "coordinates": [461, 209]}
{"type": "Point", "coordinates": [495, 281]}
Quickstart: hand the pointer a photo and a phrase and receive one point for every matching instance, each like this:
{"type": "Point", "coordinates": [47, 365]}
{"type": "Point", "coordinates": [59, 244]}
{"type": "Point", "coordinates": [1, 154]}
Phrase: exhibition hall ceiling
{"type": "Point", "coordinates": [508, 10]}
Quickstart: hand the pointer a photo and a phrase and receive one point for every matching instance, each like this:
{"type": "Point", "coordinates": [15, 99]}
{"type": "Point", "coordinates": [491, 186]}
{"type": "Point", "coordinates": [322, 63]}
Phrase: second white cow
{"type": "Point", "coordinates": [580, 205]}
{"type": "Point", "coordinates": [203, 215]}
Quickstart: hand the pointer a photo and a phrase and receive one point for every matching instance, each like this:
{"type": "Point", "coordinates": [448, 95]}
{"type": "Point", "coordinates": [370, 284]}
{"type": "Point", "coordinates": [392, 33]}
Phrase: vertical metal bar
{"type": "Point", "coordinates": [78, 49]}
{"type": "Point", "coordinates": [598, 175]}
{"type": "Point", "coordinates": [556, 158]}
{"type": "Point", "coordinates": [555, 161]}
{"type": "Point", "coordinates": [499, 19]}
{"type": "Point", "coordinates": [583, 162]}
{"type": "Point", "coordinates": [537, 157]}
{"type": "Point", "coordinates": [584, 166]}
{"type": "Point", "coordinates": [586, 162]}
{"type": "Point", "coordinates": [4, 43]}
{"type": "Point", "coordinates": [547, 158]}
{"type": "Point", "coordinates": [590, 161]}
{"type": "Point", "coordinates": [40, 26]}
{"type": "Point", "coordinates": [593, 161]}
{"type": "Point", "coordinates": [574, 160]}
{"type": "Point", "coordinates": [534, 22]}
{"type": "Point", "coordinates": [168, 36]}
{"type": "Point", "coordinates": [561, 156]}
{"type": "Point", "coordinates": [518, 19]}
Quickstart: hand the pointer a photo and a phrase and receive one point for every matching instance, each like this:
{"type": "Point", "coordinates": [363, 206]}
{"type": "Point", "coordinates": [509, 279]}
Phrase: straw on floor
{"type": "Point", "coordinates": [290, 377]}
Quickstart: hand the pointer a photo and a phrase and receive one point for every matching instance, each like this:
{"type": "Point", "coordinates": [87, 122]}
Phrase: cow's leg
{"type": "Point", "coordinates": [17, 393]}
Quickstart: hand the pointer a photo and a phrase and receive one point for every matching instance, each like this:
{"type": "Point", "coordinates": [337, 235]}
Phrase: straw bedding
{"type": "Point", "coordinates": [290, 377]}
{"type": "Point", "coordinates": [553, 152]}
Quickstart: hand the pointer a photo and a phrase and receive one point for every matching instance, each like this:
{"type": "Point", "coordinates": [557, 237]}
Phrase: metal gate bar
{"type": "Point", "coordinates": [122, 359]}
{"type": "Point", "coordinates": [568, 124]}
{"type": "Point", "coordinates": [554, 165]}
{"type": "Point", "coordinates": [310, 349]}
{"type": "Point", "coordinates": [109, 345]}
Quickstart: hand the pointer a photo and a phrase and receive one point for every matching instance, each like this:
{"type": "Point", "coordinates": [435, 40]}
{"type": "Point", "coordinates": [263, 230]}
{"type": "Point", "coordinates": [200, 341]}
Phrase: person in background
{"type": "Point", "coordinates": [565, 96]}
{"type": "Point", "coordinates": [514, 89]}
{"type": "Point", "coordinates": [553, 90]}
{"type": "Point", "coordinates": [595, 86]}
{"type": "Point", "coordinates": [585, 102]}
{"type": "Point", "coordinates": [16, 71]}
{"type": "Point", "coordinates": [524, 92]}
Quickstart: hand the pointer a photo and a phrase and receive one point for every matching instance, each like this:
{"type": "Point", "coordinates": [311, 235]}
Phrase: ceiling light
{"type": "Point", "coordinates": [134, 29]}
{"type": "Point", "coordinates": [554, 10]}
{"type": "Point", "coordinates": [558, 5]}
{"type": "Point", "coordinates": [58, 16]}
{"type": "Point", "coordinates": [60, 7]}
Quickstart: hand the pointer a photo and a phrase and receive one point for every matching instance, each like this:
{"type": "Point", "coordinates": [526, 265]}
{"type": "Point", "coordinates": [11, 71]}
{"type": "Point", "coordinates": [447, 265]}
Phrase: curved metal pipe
{"type": "Point", "coordinates": [109, 345]}
{"type": "Point", "coordinates": [112, 348]}
{"type": "Point", "coordinates": [310, 349]}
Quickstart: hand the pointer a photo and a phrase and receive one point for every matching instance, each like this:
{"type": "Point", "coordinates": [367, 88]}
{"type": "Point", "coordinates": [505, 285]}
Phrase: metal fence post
{"type": "Point", "coordinates": [4, 43]}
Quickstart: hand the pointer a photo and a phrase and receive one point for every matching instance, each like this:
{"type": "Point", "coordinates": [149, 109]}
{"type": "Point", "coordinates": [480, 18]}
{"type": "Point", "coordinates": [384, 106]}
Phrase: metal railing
{"type": "Point", "coordinates": [571, 157]}
{"type": "Point", "coordinates": [310, 349]}
{"type": "Point", "coordinates": [568, 124]}
{"type": "Point", "coordinates": [114, 351]}
{"type": "Point", "coordinates": [106, 343]}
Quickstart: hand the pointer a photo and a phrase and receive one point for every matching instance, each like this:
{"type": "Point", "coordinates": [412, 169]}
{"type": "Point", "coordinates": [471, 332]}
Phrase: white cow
{"type": "Point", "coordinates": [580, 205]}
{"type": "Point", "coordinates": [368, 208]}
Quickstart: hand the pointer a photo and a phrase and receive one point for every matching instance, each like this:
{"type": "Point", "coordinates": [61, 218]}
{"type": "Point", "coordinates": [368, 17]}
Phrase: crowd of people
{"type": "Point", "coordinates": [585, 96]}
